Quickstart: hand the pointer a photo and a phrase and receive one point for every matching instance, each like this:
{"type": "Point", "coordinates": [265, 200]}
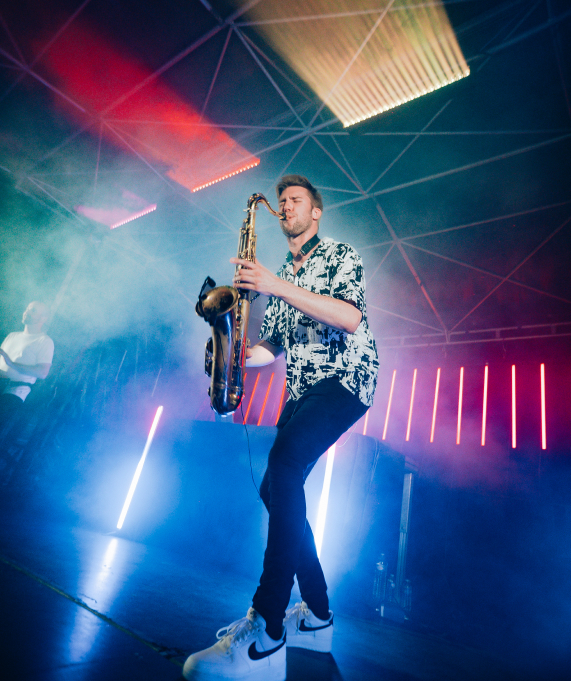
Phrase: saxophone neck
{"type": "Point", "coordinates": [257, 198]}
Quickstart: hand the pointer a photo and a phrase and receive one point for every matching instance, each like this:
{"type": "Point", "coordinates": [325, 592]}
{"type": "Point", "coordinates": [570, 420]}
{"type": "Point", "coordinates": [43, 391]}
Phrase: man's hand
{"type": "Point", "coordinates": [261, 354]}
{"type": "Point", "coordinates": [339, 314]}
{"type": "Point", "coordinates": [253, 276]}
{"type": "Point", "coordinates": [37, 370]}
{"type": "Point", "coordinates": [7, 359]}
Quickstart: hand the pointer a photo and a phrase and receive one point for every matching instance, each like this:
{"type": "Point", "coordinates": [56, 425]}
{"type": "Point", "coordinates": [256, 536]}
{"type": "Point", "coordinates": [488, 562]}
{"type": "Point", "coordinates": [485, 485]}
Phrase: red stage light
{"type": "Point", "coordinates": [543, 424]}
{"type": "Point", "coordinates": [389, 404]}
{"type": "Point", "coordinates": [138, 111]}
{"type": "Point", "coordinates": [281, 402]}
{"type": "Point", "coordinates": [366, 423]}
{"type": "Point", "coordinates": [435, 405]}
{"type": "Point", "coordinates": [513, 408]}
{"type": "Point", "coordinates": [460, 395]}
{"type": "Point", "coordinates": [485, 405]}
{"type": "Point", "coordinates": [265, 400]}
{"type": "Point", "coordinates": [224, 177]}
{"type": "Point", "coordinates": [251, 398]}
{"type": "Point", "coordinates": [411, 403]}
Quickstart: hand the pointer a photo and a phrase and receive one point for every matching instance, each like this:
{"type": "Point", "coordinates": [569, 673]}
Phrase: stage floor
{"type": "Point", "coordinates": [80, 604]}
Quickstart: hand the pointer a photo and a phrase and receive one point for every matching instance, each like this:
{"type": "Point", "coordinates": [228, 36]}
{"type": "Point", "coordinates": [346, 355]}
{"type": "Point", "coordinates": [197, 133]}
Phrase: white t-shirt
{"type": "Point", "coordinates": [25, 348]}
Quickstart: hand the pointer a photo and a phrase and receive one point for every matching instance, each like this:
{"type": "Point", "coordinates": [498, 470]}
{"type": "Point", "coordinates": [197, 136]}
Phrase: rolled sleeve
{"type": "Point", "coordinates": [348, 280]}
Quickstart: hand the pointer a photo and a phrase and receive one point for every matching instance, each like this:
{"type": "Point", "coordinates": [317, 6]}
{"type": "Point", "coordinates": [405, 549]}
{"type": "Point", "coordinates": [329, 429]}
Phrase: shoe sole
{"type": "Point", "coordinates": [263, 673]}
{"type": "Point", "coordinates": [266, 674]}
{"type": "Point", "coordinates": [308, 643]}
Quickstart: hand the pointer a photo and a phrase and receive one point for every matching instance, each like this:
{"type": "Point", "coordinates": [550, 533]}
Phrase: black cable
{"type": "Point", "coordinates": [249, 450]}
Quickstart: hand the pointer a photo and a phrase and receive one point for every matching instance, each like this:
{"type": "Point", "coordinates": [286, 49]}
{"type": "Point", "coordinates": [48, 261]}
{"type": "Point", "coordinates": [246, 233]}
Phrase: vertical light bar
{"type": "Point", "coordinates": [410, 407]}
{"type": "Point", "coordinates": [485, 405]}
{"type": "Point", "coordinates": [460, 395]}
{"type": "Point", "coordinates": [324, 500]}
{"type": "Point", "coordinates": [543, 426]}
{"type": "Point", "coordinates": [389, 404]}
{"type": "Point", "coordinates": [435, 405]}
{"type": "Point", "coordinates": [265, 400]}
{"type": "Point", "coordinates": [252, 398]}
{"type": "Point", "coordinates": [140, 465]}
{"type": "Point", "coordinates": [281, 402]}
{"type": "Point", "coordinates": [513, 408]}
{"type": "Point", "coordinates": [366, 422]}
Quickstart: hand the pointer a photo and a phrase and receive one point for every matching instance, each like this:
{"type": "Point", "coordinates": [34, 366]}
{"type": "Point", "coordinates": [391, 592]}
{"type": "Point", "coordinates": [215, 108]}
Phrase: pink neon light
{"type": "Point", "coordinates": [513, 408]}
{"type": "Point", "coordinates": [366, 422]}
{"type": "Point", "coordinates": [389, 404]}
{"type": "Point", "coordinates": [485, 405]}
{"type": "Point", "coordinates": [134, 216]}
{"type": "Point", "coordinates": [227, 175]}
{"type": "Point", "coordinates": [460, 394]}
{"type": "Point", "coordinates": [265, 400]}
{"type": "Point", "coordinates": [252, 398]}
{"type": "Point", "coordinates": [410, 408]}
{"type": "Point", "coordinates": [435, 405]}
{"type": "Point", "coordinates": [281, 402]}
{"type": "Point", "coordinates": [543, 425]}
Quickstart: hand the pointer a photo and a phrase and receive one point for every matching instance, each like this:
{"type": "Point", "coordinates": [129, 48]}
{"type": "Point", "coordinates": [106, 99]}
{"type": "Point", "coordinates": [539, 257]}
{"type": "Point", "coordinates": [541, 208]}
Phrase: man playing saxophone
{"type": "Point", "coordinates": [316, 315]}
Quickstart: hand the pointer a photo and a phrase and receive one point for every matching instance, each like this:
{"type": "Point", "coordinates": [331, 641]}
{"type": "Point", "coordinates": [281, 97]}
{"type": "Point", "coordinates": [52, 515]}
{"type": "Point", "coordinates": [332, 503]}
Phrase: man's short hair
{"type": "Point", "coordinates": [300, 181]}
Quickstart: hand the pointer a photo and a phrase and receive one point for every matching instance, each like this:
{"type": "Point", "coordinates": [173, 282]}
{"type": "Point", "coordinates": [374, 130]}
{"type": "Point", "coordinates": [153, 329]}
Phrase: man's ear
{"type": "Point", "coordinates": [316, 213]}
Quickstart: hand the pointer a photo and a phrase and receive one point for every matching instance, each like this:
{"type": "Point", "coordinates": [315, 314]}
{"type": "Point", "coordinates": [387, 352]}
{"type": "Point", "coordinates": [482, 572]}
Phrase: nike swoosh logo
{"type": "Point", "coordinates": [303, 626]}
{"type": "Point", "coordinates": [255, 654]}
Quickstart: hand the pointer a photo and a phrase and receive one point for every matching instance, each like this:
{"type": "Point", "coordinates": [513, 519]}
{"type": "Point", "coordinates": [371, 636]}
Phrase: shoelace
{"type": "Point", "coordinates": [238, 631]}
{"type": "Point", "coordinates": [298, 610]}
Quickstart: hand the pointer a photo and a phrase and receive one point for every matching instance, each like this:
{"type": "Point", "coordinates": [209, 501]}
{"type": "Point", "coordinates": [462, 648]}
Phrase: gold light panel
{"type": "Point", "coordinates": [363, 57]}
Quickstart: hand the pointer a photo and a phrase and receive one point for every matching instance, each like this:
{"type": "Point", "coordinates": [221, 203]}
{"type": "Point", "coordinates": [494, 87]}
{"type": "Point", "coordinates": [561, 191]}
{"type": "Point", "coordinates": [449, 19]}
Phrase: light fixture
{"type": "Point", "coordinates": [139, 468]}
{"type": "Point", "coordinates": [324, 500]}
{"type": "Point", "coordinates": [361, 60]}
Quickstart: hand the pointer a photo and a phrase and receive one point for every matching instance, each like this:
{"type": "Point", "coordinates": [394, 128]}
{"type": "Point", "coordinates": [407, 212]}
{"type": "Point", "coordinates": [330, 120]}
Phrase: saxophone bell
{"type": "Point", "coordinates": [208, 285]}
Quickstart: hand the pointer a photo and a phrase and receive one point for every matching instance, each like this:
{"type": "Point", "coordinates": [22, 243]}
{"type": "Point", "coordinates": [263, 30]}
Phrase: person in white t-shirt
{"type": "Point", "coordinates": [25, 356]}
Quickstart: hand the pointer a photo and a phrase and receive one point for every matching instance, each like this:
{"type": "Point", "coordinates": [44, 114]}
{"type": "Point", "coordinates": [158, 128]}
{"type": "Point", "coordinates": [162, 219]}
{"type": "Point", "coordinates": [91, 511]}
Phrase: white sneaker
{"type": "Point", "coordinates": [305, 630]}
{"type": "Point", "coordinates": [244, 651]}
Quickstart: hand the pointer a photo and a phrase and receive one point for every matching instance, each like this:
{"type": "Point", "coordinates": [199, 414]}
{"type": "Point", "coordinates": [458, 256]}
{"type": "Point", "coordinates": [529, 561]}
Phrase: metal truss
{"type": "Point", "coordinates": [306, 122]}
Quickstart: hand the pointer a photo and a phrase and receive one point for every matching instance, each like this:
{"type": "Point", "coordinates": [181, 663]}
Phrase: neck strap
{"type": "Point", "coordinates": [307, 246]}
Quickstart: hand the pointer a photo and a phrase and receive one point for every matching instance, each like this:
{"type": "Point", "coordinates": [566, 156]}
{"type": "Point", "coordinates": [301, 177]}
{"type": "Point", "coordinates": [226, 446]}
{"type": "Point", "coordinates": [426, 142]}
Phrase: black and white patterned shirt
{"type": "Point", "coordinates": [315, 351]}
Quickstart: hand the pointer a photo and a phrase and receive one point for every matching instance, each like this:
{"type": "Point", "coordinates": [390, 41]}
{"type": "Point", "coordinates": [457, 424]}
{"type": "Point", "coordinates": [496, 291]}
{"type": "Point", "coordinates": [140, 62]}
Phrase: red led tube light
{"type": "Point", "coordinates": [460, 395]}
{"type": "Point", "coordinates": [543, 424]}
{"type": "Point", "coordinates": [435, 405]}
{"type": "Point", "coordinates": [252, 398]}
{"type": "Point", "coordinates": [411, 403]}
{"type": "Point", "coordinates": [389, 405]}
{"type": "Point", "coordinates": [265, 400]}
{"type": "Point", "coordinates": [485, 405]}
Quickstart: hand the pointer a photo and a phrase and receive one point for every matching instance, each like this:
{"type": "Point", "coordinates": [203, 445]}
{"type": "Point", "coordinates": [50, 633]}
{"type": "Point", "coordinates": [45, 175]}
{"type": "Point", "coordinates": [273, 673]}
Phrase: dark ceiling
{"type": "Point", "coordinates": [459, 201]}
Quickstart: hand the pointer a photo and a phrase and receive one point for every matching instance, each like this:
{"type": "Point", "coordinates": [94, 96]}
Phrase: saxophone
{"type": "Point", "coordinates": [227, 310]}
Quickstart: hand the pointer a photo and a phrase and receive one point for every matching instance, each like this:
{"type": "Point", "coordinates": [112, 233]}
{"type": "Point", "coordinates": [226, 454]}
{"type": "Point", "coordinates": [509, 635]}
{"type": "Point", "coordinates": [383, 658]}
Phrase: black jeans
{"type": "Point", "coordinates": [306, 429]}
{"type": "Point", "coordinates": [11, 408]}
